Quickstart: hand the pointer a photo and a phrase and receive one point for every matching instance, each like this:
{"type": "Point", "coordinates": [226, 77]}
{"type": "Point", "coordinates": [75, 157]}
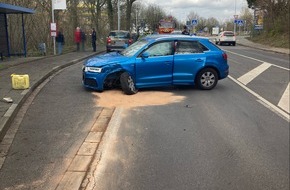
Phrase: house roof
{"type": "Point", "coordinates": [13, 9]}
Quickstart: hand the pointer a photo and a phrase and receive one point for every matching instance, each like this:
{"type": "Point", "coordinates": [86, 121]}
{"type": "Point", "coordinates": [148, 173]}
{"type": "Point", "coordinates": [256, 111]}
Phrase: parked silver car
{"type": "Point", "coordinates": [118, 40]}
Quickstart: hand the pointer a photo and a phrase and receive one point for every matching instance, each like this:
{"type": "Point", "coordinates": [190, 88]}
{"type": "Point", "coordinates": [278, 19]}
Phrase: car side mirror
{"type": "Point", "coordinates": [145, 55]}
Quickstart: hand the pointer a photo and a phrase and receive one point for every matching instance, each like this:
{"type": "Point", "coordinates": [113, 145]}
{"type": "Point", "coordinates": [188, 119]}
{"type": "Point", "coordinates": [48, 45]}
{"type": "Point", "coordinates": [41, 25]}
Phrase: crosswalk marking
{"type": "Point", "coordinates": [284, 101]}
{"type": "Point", "coordinates": [263, 100]}
{"type": "Point", "coordinates": [251, 75]}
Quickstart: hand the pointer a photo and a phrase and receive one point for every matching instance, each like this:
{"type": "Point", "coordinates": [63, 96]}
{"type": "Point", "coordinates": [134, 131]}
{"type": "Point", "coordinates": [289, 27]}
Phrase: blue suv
{"type": "Point", "coordinates": [158, 60]}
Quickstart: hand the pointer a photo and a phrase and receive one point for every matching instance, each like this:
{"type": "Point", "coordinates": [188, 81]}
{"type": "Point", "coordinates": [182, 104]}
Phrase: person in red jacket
{"type": "Point", "coordinates": [78, 38]}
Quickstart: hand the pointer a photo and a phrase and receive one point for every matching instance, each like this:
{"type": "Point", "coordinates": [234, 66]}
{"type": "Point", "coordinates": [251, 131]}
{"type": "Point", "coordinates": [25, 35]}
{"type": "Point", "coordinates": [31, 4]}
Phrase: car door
{"type": "Point", "coordinates": [155, 68]}
{"type": "Point", "coordinates": [189, 58]}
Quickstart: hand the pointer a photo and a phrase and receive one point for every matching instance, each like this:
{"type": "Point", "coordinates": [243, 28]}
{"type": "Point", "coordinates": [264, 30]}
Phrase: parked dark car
{"type": "Point", "coordinates": [118, 40]}
{"type": "Point", "coordinates": [158, 60]}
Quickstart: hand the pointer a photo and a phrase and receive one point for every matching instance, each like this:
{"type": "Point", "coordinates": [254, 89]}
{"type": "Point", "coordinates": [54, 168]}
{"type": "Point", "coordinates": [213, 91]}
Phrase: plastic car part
{"type": "Point", "coordinates": [207, 79]}
{"type": "Point", "coordinates": [128, 84]}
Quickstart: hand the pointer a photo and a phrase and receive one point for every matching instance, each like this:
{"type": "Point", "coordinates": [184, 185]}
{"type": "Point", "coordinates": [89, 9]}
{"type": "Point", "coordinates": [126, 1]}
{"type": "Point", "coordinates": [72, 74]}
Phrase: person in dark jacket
{"type": "Point", "coordinates": [94, 39]}
{"type": "Point", "coordinates": [83, 39]}
{"type": "Point", "coordinates": [185, 31]}
{"type": "Point", "coordinates": [60, 42]}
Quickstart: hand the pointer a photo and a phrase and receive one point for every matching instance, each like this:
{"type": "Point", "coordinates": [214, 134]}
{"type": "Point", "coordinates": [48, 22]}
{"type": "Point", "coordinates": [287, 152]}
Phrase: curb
{"type": "Point", "coordinates": [265, 49]}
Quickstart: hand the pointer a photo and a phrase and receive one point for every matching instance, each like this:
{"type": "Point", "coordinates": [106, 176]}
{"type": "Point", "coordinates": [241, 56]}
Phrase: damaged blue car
{"type": "Point", "coordinates": [158, 60]}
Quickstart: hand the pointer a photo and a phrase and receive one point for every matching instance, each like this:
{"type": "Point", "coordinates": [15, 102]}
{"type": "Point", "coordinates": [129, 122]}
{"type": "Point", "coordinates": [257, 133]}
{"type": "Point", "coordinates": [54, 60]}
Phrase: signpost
{"type": "Point", "coordinates": [56, 5]}
{"type": "Point", "coordinates": [194, 22]}
{"type": "Point", "coordinates": [235, 17]}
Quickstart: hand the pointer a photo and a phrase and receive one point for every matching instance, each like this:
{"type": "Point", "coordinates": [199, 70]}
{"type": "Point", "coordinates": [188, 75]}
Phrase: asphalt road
{"type": "Point", "coordinates": [226, 138]}
{"type": "Point", "coordinates": [223, 139]}
{"type": "Point", "coordinates": [234, 137]}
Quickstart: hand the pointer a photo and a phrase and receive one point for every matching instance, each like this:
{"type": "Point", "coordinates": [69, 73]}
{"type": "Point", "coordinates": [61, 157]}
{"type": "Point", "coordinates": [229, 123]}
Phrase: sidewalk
{"type": "Point", "coordinates": [38, 69]}
{"type": "Point", "coordinates": [241, 40]}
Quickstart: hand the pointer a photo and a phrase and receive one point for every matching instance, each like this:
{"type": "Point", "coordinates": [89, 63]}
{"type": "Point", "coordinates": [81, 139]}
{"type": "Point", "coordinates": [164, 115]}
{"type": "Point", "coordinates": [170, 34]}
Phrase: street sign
{"type": "Point", "coordinates": [239, 22]}
{"type": "Point", "coordinates": [194, 22]}
{"type": "Point", "coordinates": [53, 29]}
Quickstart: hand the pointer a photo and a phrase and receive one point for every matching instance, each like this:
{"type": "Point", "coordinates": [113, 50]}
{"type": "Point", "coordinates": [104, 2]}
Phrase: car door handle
{"type": "Point", "coordinates": [199, 60]}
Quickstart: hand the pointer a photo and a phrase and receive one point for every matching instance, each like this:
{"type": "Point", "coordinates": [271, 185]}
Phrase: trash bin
{"type": "Point", "coordinates": [42, 48]}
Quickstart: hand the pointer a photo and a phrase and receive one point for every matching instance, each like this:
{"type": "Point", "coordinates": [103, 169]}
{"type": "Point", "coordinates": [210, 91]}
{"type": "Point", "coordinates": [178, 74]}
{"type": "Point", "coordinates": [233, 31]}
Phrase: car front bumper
{"type": "Point", "coordinates": [93, 80]}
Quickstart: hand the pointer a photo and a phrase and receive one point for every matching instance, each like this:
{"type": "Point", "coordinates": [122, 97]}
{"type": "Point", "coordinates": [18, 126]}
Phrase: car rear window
{"type": "Point", "coordinates": [120, 34]}
{"type": "Point", "coordinates": [188, 47]}
{"type": "Point", "coordinates": [229, 34]}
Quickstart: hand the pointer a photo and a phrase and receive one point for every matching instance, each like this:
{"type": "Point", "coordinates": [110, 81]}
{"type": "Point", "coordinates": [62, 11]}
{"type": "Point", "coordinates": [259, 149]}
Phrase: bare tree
{"type": "Point", "coordinates": [129, 4]}
{"type": "Point", "coordinates": [110, 13]}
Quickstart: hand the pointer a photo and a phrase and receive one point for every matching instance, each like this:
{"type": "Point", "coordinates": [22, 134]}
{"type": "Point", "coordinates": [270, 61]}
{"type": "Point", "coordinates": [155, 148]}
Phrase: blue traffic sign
{"type": "Point", "coordinates": [239, 22]}
{"type": "Point", "coordinates": [194, 22]}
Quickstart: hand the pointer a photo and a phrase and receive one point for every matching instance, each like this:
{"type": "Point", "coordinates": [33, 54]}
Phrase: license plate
{"type": "Point", "coordinates": [119, 43]}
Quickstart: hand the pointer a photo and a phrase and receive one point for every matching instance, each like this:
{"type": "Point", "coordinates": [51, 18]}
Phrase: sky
{"type": "Point", "coordinates": [222, 10]}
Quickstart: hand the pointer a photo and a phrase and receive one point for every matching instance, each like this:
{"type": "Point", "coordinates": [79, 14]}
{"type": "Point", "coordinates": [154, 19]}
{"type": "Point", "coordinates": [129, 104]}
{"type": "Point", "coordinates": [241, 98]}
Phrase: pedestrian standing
{"type": "Point", "coordinates": [78, 38]}
{"type": "Point", "coordinates": [94, 39]}
{"type": "Point", "coordinates": [83, 39]}
{"type": "Point", "coordinates": [60, 42]}
{"type": "Point", "coordinates": [185, 31]}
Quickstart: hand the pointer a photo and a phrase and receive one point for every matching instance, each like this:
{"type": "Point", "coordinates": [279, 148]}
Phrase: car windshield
{"type": "Point", "coordinates": [134, 48]}
{"type": "Point", "coordinates": [119, 34]}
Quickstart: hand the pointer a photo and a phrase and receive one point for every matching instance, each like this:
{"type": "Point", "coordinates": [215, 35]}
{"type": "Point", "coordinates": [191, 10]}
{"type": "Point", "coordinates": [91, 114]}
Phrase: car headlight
{"type": "Point", "coordinates": [93, 69]}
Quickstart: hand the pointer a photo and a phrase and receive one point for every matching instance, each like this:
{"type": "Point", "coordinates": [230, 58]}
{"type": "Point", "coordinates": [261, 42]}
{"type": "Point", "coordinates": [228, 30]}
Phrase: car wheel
{"type": "Point", "coordinates": [128, 84]}
{"type": "Point", "coordinates": [207, 79]}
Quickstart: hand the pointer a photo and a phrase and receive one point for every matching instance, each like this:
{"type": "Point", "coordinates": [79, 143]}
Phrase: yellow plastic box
{"type": "Point", "coordinates": [20, 81]}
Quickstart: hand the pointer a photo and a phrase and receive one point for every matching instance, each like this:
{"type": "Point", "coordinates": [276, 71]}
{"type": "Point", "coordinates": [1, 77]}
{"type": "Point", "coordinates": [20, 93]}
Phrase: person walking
{"type": "Point", "coordinates": [94, 39]}
{"type": "Point", "coordinates": [78, 38]}
{"type": "Point", "coordinates": [83, 39]}
{"type": "Point", "coordinates": [60, 42]}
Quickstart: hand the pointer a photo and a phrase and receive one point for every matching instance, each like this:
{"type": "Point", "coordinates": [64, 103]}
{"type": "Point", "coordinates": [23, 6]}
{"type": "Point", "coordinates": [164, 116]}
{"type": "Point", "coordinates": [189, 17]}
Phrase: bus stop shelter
{"type": "Point", "coordinates": [6, 9]}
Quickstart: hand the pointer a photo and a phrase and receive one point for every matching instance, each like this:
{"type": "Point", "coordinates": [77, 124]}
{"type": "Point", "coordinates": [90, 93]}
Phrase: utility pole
{"type": "Point", "coordinates": [235, 16]}
{"type": "Point", "coordinates": [54, 49]}
{"type": "Point", "coordinates": [118, 15]}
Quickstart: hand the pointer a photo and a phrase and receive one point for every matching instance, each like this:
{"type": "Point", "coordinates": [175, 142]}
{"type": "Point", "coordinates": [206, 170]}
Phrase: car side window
{"type": "Point", "coordinates": [189, 47]}
{"type": "Point", "coordinates": [160, 49]}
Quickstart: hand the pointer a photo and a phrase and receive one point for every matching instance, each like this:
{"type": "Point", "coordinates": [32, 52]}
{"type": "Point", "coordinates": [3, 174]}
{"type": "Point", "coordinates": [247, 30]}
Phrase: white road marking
{"type": "Point", "coordinates": [274, 108]}
{"type": "Point", "coordinates": [284, 101]}
{"type": "Point", "coordinates": [251, 75]}
{"type": "Point", "coordinates": [257, 60]}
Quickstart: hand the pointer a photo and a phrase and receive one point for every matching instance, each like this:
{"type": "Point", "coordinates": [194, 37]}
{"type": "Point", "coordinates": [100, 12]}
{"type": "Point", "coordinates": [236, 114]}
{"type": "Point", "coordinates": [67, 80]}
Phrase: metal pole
{"type": "Point", "coordinates": [136, 18]}
{"type": "Point", "coordinates": [118, 15]}
{"type": "Point", "coordinates": [54, 51]}
{"type": "Point", "coordinates": [235, 18]}
{"type": "Point", "coordinates": [24, 40]}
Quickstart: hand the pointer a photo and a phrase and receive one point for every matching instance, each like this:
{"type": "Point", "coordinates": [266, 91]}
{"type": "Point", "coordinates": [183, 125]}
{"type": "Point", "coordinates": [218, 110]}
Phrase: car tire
{"type": "Point", "coordinates": [207, 79]}
{"type": "Point", "coordinates": [128, 84]}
